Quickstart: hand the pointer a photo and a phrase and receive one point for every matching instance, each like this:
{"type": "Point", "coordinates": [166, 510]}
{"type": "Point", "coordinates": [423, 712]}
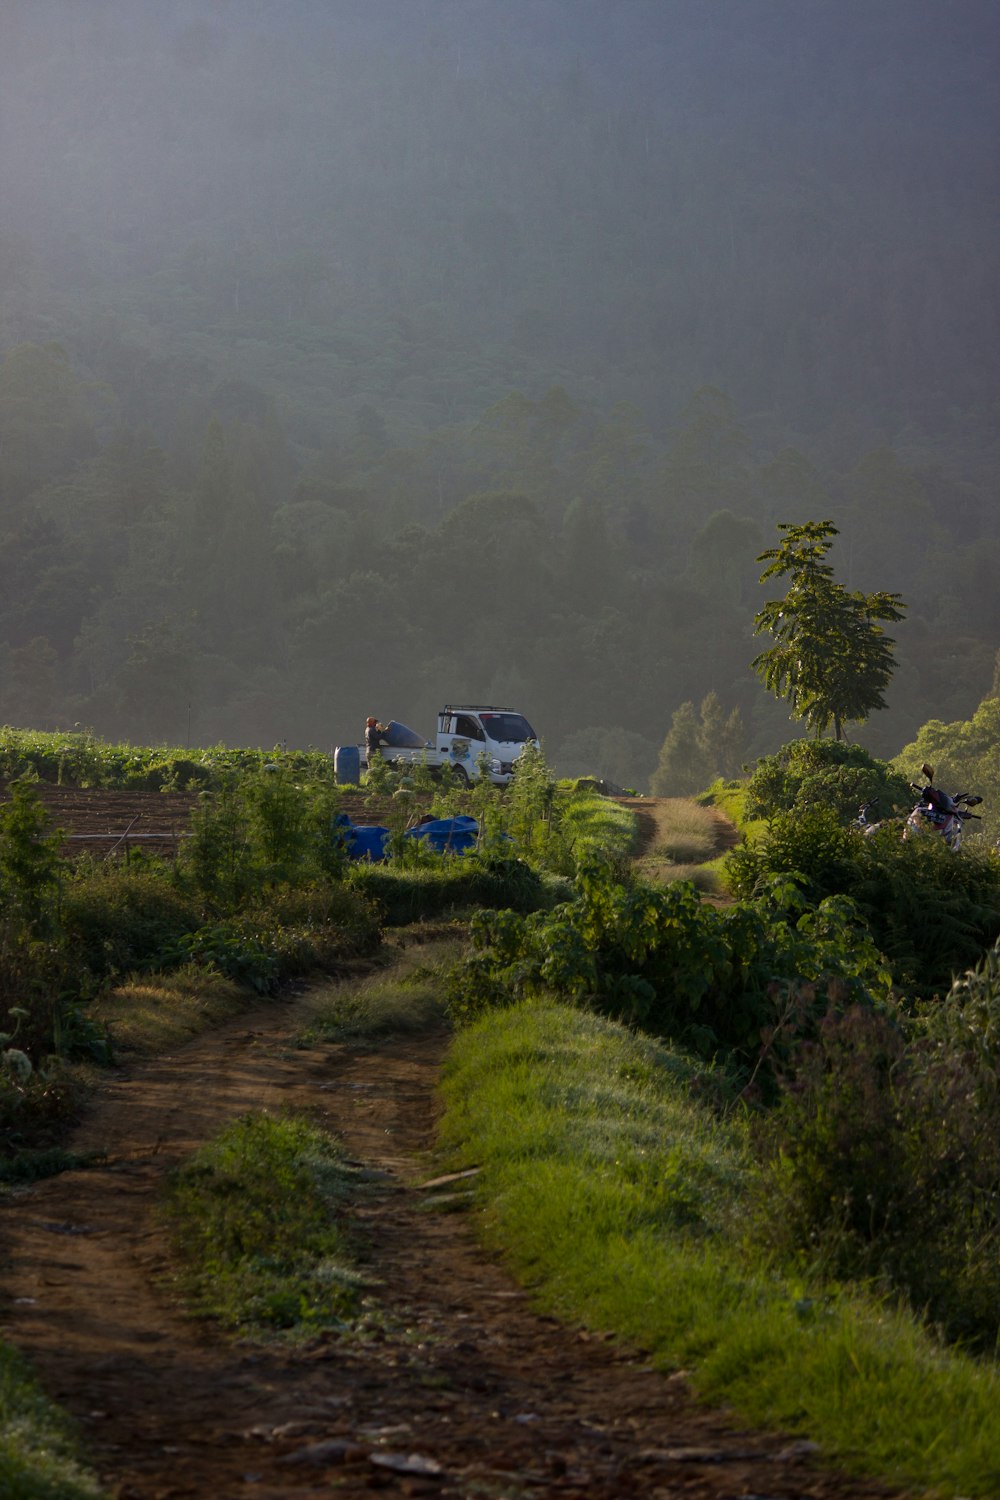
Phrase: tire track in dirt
{"type": "Point", "coordinates": [461, 1389]}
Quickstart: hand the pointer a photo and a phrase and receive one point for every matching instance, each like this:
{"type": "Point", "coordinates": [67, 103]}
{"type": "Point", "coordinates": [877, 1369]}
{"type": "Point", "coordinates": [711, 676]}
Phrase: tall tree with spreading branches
{"type": "Point", "coordinates": [831, 658]}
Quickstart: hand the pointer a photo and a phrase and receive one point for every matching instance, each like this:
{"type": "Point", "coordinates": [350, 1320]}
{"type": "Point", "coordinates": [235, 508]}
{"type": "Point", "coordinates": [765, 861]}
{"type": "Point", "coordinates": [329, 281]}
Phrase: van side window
{"type": "Point", "coordinates": [469, 728]}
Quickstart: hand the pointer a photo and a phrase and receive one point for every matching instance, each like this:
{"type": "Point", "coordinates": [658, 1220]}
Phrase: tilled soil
{"type": "Point", "coordinates": [110, 824]}
{"type": "Point", "coordinates": [461, 1389]}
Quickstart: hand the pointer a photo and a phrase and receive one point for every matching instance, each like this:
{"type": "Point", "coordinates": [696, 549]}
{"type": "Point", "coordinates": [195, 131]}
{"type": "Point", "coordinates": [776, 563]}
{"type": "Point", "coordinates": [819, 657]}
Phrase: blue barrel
{"type": "Point", "coordinates": [347, 765]}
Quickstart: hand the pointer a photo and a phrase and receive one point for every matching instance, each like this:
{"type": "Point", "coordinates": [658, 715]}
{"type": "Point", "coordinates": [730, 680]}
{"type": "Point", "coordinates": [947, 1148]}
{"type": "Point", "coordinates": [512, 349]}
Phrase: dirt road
{"type": "Point", "coordinates": [460, 1389]}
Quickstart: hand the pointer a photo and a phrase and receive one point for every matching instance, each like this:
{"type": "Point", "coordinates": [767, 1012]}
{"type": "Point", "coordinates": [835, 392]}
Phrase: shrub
{"type": "Point", "coordinates": [930, 911]}
{"type": "Point", "coordinates": [662, 959]}
{"type": "Point", "coordinates": [256, 1222]}
{"type": "Point", "coordinates": [813, 847]}
{"type": "Point", "coordinates": [262, 830]}
{"type": "Point", "coordinates": [448, 882]}
{"type": "Point", "coordinates": [883, 1158]}
{"type": "Point", "coordinates": [120, 921]}
{"type": "Point", "coordinates": [826, 774]}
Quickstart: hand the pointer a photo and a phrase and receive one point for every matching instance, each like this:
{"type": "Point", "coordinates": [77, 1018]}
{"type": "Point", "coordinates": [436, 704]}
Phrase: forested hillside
{"type": "Point", "coordinates": [355, 357]}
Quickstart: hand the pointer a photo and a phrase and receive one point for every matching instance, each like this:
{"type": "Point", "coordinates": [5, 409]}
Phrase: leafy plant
{"type": "Point", "coordinates": [831, 658]}
{"type": "Point", "coordinates": [883, 1158]}
{"type": "Point", "coordinates": [662, 959]}
{"type": "Point", "coordinates": [122, 921]}
{"type": "Point", "coordinates": [30, 863]}
{"type": "Point", "coordinates": [930, 912]}
{"type": "Point", "coordinates": [829, 774]}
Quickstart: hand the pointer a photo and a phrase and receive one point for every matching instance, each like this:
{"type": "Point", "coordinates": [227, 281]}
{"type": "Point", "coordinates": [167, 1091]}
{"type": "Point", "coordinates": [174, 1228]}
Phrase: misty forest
{"type": "Point", "coordinates": [359, 357]}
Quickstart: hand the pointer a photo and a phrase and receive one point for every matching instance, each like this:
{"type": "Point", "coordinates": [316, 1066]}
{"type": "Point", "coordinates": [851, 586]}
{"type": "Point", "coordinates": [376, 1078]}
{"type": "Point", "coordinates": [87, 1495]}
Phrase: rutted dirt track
{"type": "Point", "coordinates": [466, 1392]}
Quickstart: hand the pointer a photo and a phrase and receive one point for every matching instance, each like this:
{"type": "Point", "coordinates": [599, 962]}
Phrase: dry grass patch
{"type": "Point", "coordinates": [156, 1012]}
{"type": "Point", "coordinates": [688, 837]}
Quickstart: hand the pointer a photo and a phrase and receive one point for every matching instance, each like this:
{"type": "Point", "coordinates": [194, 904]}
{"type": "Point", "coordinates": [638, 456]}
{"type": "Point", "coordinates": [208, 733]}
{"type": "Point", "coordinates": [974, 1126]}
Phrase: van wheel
{"type": "Point", "coordinates": [461, 776]}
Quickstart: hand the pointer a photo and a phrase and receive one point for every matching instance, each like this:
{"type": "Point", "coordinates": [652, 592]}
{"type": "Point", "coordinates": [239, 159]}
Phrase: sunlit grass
{"type": "Point", "coordinates": [621, 1201]}
{"type": "Point", "coordinates": [256, 1225]}
{"type": "Point", "coordinates": [156, 1012]}
{"type": "Point", "coordinates": [40, 1455]}
{"type": "Point", "coordinates": [405, 999]}
{"type": "Point", "coordinates": [599, 824]}
{"type": "Point", "coordinates": [703, 876]}
{"type": "Point", "coordinates": [730, 798]}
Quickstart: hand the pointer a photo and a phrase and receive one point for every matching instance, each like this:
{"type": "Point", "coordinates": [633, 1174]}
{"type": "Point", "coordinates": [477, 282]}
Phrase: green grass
{"type": "Point", "coordinates": [407, 999]}
{"type": "Point", "coordinates": [39, 1452]}
{"type": "Point", "coordinates": [621, 1200]}
{"type": "Point", "coordinates": [255, 1221]}
{"type": "Point", "coordinates": [595, 823]}
{"type": "Point", "coordinates": [730, 797]}
{"type": "Point", "coordinates": [704, 877]}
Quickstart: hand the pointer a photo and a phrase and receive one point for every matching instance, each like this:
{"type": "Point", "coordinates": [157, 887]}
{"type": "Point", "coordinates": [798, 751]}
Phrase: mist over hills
{"type": "Point", "coordinates": [321, 271]}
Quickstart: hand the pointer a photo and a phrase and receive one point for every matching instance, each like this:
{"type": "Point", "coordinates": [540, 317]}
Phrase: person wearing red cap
{"type": "Point", "coordinates": [375, 735]}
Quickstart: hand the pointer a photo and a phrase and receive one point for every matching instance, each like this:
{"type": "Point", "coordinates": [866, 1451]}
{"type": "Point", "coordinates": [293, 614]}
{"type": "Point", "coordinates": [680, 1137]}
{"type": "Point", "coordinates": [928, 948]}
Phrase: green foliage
{"type": "Point", "coordinates": [930, 912]}
{"type": "Point", "coordinates": [963, 754]}
{"type": "Point", "coordinates": [282, 935]}
{"type": "Point", "coordinates": [443, 884]}
{"type": "Point", "coordinates": [884, 1155]}
{"type": "Point", "coordinates": [41, 981]}
{"type": "Point", "coordinates": [30, 863]}
{"type": "Point", "coordinates": [82, 759]}
{"type": "Point", "coordinates": [662, 959]}
{"type": "Point", "coordinates": [267, 828]}
{"type": "Point", "coordinates": [120, 921]}
{"type": "Point", "coordinates": [533, 814]}
{"type": "Point", "coordinates": [832, 660]}
{"type": "Point", "coordinates": [255, 1221]}
{"type": "Point", "coordinates": [49, 1161]}
{"type": "Point", "coordinates": [824, 774]}
{"type": "Point", "coordinates": [812, 848]}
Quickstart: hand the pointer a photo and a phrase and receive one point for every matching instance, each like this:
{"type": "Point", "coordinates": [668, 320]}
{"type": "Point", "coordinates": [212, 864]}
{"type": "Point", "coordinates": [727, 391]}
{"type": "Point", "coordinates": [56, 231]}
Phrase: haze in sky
{"type": "Point", "coordinates": [632, 263]}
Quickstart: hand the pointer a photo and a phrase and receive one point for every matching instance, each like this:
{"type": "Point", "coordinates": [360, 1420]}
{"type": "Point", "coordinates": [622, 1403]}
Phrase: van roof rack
{"type": "Point", "coordinates": [476, 708]}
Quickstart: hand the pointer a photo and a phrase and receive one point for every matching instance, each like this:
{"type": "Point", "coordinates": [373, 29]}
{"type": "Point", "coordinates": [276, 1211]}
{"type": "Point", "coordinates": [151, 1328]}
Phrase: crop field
{"type": "Point", "coordinates": [104, 822]}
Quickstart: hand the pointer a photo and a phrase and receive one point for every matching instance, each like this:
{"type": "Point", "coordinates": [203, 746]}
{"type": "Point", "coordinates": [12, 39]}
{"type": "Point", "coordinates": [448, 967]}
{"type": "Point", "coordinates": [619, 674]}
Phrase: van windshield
{"type": "Point", "coordinates": [507, 728]}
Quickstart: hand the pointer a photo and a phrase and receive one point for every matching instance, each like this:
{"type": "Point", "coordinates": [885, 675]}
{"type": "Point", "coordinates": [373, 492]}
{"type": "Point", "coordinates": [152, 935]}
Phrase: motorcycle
{"type": "Point", "coordinates": [938, 812]}
{"type": "Point", "coordinates": [865, 822]}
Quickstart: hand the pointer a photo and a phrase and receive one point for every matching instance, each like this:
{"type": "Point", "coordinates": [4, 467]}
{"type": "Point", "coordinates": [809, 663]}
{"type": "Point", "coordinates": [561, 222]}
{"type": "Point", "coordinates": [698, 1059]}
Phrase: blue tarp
{"type": "Point", "coordinates": [452, 834]}
{"type": "Point", "coordinates": [444, 835]}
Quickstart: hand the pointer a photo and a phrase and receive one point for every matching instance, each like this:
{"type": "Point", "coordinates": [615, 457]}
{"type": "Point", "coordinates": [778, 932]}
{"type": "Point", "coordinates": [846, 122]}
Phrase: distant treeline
{"type": "Point", "coordinates": [359, 362]}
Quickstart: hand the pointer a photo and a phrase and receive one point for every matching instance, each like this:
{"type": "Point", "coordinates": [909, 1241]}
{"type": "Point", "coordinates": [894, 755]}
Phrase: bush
{"type": "Point", "coordinates": [256, 1218]}
{"type": "Point", "coordinates": [824, 774]}
{"type": "Point", "coordinates": [120, 921]}
{"type": "Point", "coordinates": [266, 829]}
{"type": "Point", "coordinates": [661, 959]}
{"type": "Point", "coordinates": [448, 882]}
{"type": "Point", "coordinates": [883, 1159]}
{"type": "Point", "coordinates": [931, 912]}
{"type": "Point", "coordinates": [284, 937]}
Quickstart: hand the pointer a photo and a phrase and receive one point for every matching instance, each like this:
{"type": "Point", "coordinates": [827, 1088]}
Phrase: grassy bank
{"type": "Point", "coordinates": [39, 1450]}
{"type": "Point", "coordinates": [622, 1201]}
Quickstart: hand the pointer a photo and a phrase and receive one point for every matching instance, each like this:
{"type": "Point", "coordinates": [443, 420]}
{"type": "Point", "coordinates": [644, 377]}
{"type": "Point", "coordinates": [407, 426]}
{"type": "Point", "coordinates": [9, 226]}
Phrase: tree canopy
{"type": "Point", "coordinates": [831, 658]}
